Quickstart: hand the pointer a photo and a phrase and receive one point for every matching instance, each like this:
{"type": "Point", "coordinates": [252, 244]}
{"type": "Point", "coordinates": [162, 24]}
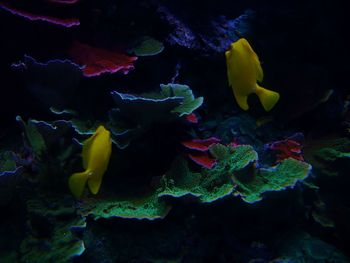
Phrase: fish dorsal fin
{"type": "Point", "coordinates": [255, 58]}
{"type": "Point", "coordinates": [87, 147]}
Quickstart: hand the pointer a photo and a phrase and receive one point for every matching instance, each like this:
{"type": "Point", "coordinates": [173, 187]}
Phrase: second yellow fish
{"type": "Point", "coordinates": [244, 71]}
{"type": "Point", "coordinates": [96, 153]}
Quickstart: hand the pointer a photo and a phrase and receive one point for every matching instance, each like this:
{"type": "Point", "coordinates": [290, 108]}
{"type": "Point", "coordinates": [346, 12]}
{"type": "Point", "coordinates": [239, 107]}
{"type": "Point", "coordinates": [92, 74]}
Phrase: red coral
{"type": "Point", "coordinates": [66, 22]}
{"type": "Point", "coordinates": [192, 118]}
{"type": "Point", "coordinates": [287, 148]}
{"type": "Point", "coordinates": [99, 61]}
{"type": "Point", "coordinates": [203, 159]}
{"type": "Point", "coordinates": [201, 145]}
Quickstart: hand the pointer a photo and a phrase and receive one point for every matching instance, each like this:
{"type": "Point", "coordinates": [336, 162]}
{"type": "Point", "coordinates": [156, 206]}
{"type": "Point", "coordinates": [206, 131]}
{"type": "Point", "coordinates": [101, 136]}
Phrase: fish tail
{"type": "Point", "coordinates": [77, 182]}
{"type": "Point", "coordinates": [268, 98]}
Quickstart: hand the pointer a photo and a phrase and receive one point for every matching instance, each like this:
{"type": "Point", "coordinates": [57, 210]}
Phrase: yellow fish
{"type": "Point", "coordinates": [96, 153]}
{"type": "Point", "coordinates": [244, 71]}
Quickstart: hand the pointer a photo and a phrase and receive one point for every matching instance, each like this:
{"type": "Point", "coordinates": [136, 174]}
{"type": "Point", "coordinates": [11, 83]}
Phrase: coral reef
{"type": "Point", "coordinates": [188, 176]}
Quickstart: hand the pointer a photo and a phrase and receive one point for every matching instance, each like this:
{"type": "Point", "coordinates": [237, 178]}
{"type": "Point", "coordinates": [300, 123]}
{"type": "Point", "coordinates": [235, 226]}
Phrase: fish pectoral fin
{"type": "Point", "coordinates": [242, 101]}
{"type": "Point", "coordinates": [77, 182]}
{"type": "Point", "coordinates": [268, 98]}
{"type": "Point", "coordinates": [95, 184]}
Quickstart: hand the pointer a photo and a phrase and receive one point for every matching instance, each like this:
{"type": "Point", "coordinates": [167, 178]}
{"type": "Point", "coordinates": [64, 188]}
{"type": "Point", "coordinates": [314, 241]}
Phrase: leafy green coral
{"type": "Point", "coordinates": [145, 110]}
{"type": "Point", "coordinates": [52, 223]}
{"type": "Point", "coordinates": [302, 247]}
{"type": "Point", "coordinates": [189, 104]}
{"type": "Point", "coordinates": [324, 155]}
{"type": "Point", "coordinates": [234, 173]}
{"type": "Point", "coordinates": [7, 162]}
{"type": "Point", "coordinates": [209, 185]}
{"type": "Point", "coordinates": [147, 207]}
{"type": "Point", "coordinates": [82, 125]}
{"type": "Point", "coordinates": [147, 46]}
{"type": "Point", "coordinates": [286, 174]}
{"type": "Point", "coordinates": [51, 153]}
{"type": "Point", "coordinates": [33, 136]}
{"type": "Point", "coordinates": [336, 149]}
{"type": "Point", "coordinates": [10, 176]}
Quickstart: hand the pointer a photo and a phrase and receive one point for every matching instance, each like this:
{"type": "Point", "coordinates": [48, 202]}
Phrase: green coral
{"type": "Point", "coordinates": [336, 149]}
{"type": "Point", "coordinates": [52, 222]}
{"type": "Point", "coordinates": [145, 110]}
{"type": "Point", "coordinates": [7, 163]}
{"type": "Point", "coordinates": [301, 247]}
{"type": "Point", "coordinates": [83, 126]}
{"type": "Point", "coordinates": [235, 173]}
{"type": "Point", "coordinates": [209, 185]}
{"type": "Point", "coordinates": [189, 104]}
{"type": "Point", "coordinates": [147, 46]}
{"type": "Point", "coordinates": [147, 207]}
{"type": "Point", "coordinates": [324, 155]}
{"type": "Point", "coordinates": [286, 174]}
{"type": "Point", "coordinates": [35, 139]}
